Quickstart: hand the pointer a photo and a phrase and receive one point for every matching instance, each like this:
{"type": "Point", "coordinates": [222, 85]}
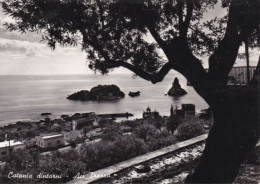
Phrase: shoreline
{"type": "Point", "coordinates": [53, 116]}
{"type": "Point", "coordinates": [64, 117]}
{"type": "Point", "coordinates": [58, 115]}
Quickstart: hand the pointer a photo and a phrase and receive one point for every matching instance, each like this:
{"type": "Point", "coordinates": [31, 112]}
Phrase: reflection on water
{"type": "Point", "coordinates": [26, 97]}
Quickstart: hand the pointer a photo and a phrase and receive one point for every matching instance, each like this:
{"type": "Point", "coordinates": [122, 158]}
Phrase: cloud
{"type": "Point", "coordinates": [23, 48]}
{"type": "Point", "coordinates": [15, 35]}
{"type": "Point", "coordinates": [19, 48]}
{"type": "Point", "coordinates": [20, 45]}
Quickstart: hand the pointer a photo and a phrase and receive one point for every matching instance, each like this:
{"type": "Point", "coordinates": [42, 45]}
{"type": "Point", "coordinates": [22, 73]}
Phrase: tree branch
{"type": "Point", "coordinates": [157, 37]}
{"type": "Point", "coordinates": [154, 78]}
{"type": "Point", "coordinates": [101, 13]}
{"type": "Point", "coordinates": [188, 16]}
{"type": "Point", "coordinates": [180, 14]}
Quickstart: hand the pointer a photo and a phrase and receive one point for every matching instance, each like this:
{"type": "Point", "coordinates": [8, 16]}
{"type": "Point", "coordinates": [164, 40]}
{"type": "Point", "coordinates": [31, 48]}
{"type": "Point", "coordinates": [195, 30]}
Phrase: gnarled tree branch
{"type": "Point", "coordinates": [187, 20]}
{"type": "Point", "coordinates": [154, 78]}
{"type": "Point", "coordinates": [180, 5]}
{"type": "Point", "coordinates": [101, 13]}
{"type": "Point", "coordinates": [157, 37]}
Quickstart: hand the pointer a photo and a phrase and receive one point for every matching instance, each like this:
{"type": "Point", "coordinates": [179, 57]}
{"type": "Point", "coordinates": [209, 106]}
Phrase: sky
{"type": "Point", "coordinates": [25, 54]}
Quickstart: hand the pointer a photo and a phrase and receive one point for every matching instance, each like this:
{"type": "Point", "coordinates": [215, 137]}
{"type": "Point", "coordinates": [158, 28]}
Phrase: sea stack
{"type": "Point", "coordinates": [176, 89]}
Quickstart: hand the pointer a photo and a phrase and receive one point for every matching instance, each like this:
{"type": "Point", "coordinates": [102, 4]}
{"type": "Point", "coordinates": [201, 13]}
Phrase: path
{"type": "Point", "coordinates": [91, 177]}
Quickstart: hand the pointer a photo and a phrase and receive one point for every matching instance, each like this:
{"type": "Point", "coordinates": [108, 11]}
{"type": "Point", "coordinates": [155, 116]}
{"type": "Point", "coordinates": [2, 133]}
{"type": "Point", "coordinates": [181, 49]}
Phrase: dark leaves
{"type": "Point", "coordinates": [116, 30]}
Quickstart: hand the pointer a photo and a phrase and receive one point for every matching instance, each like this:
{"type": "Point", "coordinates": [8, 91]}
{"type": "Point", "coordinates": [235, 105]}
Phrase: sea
{"type": "Point", "coordinates": [25, 97]}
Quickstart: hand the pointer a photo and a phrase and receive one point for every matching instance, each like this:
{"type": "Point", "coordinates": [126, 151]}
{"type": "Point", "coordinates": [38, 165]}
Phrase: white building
{"type": "Point", "coordinates": [50, 141]}
{"type": "Point", "coordinates": [7, 147]}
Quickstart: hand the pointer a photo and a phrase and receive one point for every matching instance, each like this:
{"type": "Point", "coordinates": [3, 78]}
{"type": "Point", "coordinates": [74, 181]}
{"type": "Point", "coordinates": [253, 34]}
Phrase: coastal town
{"type": "Point", "coordinates": [70, 132]}
{"type": "Point", "coordinates": [51, 134]}
{"type": "Point", "coordinates": [86, 134]}
{"type": "Point", "coordinates": [82, 132]}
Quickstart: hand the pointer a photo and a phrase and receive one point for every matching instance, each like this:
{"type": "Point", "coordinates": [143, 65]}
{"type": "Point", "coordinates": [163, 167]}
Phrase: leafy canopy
{"type": "Point", "coordinates": [133, 33]}
{"type": "Point", "coordinates": [116, 30]}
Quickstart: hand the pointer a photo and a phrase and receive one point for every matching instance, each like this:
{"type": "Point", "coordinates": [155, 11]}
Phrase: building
{"type": "Point", "coordinates": [188, 109]}
{"type": "Point", "coordinates": [50, 141]}
{"type": "Point", "coordinates": [180, 113]}
{"type": "Point", "coordinates": [238, 75]}
{"type": "Point", "coordinates": [83, 122]}
{"type": "Point", "coordinates": [7, 147]}
{"type": "Point", "coordinates": [79, 121]}
{"type": "Point", "coordinates": [149, 114]}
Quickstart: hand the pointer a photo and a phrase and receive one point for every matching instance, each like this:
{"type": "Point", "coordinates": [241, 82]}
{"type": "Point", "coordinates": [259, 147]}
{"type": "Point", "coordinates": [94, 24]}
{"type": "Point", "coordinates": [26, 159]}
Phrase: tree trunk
{"type": "Point", "coordinates": [232, 137]}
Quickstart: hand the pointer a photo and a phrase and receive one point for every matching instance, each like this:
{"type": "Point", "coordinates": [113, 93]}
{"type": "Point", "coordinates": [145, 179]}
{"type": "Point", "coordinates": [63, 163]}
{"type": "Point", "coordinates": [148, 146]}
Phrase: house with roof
{"type": "Point", "coordinates": [83, 122]}
{"type": "Point", "coordinates": [187, 110]}
{"type": "Point", "coordinates": [50, 141]}
{"type": "Point", "coordinates": [7, 147]}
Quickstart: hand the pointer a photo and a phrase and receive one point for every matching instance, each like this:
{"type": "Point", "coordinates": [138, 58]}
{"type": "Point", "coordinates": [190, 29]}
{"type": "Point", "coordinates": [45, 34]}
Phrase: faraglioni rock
{"type": "Point", "coordinates": [176, 89]}
{"type": "Point", "coordinates": [100, 92]}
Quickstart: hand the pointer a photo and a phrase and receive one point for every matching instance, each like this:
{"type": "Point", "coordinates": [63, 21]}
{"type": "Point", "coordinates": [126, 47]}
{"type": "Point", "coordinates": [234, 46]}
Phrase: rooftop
{"type": "Point", "coordinates": [52, 136]}
{"type": "Point", "coordinates": [12, 143]}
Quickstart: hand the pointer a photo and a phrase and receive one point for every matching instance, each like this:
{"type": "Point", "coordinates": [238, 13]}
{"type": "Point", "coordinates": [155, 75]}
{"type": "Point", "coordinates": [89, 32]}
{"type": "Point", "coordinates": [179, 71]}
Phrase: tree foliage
{"type": "Point", "coordinates": [189, 130]}
{"type": "Point", "coordinates": [173, 122]}
{"type": "Point", "coordinates": [131, 34]}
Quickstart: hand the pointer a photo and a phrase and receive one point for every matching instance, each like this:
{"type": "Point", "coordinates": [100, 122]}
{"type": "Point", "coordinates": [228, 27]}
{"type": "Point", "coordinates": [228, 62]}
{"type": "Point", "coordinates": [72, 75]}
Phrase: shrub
{"type": "Point", "coordinates": [112, 132]}
{"type": "Point", "coordinates": [133, 123]}
{"type": "Point", "coordinates": [189, 130]}
{"type": "Point", "coordinates": [30, 134]}
{"type": "Point", "coordinates": [173, 122]}
{"type": "Point", "coordinates": [66, 164]}
{"type": "Point", "coordinates": [145, 131]}
{"type": "Point", "coordinates": [73, 144]}
{"type": "Point", "coordinates": [160, 140]}
{"type": "Point", "coordinates": [105, 153]}
{"type": "Point", "coordinates": [104, 123]}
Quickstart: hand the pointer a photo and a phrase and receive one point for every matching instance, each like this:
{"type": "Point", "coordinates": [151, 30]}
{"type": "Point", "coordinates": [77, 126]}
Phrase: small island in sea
{"type": "Point", "coordinates": [176, 89]}
{"type": "Point", "coordinates": [100, 92]}
{"type": "Point", "coordinates": [134, 94]}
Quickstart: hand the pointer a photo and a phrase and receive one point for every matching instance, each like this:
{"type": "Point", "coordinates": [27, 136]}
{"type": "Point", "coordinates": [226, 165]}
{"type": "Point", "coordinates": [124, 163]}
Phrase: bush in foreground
{"type": "Point", "coordinates": [189, 130]}
{"type": "Point", "coordinates": [105, 153]}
